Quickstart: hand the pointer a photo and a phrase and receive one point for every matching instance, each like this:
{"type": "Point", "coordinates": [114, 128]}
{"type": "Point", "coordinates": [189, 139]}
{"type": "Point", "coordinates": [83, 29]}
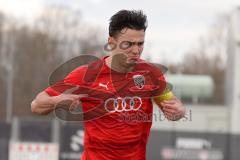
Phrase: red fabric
{"type": "Point", "coordinates": [118, 135]}
{"type": "Point", "coordinates": [73, 79]}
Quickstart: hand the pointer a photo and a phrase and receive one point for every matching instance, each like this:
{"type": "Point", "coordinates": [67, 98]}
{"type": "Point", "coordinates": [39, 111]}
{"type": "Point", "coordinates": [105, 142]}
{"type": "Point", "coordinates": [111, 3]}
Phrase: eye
{"type": "Point", "coordinates": [140, 44]}
{"type": "Point", "coordinates": [125, 45]}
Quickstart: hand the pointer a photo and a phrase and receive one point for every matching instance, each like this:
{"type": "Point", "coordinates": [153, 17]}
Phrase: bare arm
{"type": "Point", "coordinates": [173, 109]}
{"type": "Point", "coordinates": [44, 104]}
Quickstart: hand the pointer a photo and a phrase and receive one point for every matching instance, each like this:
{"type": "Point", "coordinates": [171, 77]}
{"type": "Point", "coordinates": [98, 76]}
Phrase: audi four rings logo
{"type": "Point", "coordinates": [123, 104]}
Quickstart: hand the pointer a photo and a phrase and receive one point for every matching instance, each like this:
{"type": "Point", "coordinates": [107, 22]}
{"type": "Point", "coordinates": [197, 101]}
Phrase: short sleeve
{"type": "Point", "coordinates": [71, 80]}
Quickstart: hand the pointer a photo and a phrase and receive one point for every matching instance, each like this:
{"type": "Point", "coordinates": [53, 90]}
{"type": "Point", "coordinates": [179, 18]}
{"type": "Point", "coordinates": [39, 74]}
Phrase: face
{"type": "Point", "coordinates": [129, 46]}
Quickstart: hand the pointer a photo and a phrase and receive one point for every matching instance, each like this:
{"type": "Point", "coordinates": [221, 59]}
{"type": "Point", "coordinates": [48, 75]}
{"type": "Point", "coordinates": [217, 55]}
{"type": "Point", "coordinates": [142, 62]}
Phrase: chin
{"type": "Point", "coordinates": [131, 63]}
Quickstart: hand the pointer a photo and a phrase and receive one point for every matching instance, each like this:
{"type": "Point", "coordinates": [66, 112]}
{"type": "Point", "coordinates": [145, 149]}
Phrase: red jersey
{"type": "Point", "coordinates": [122, 131]}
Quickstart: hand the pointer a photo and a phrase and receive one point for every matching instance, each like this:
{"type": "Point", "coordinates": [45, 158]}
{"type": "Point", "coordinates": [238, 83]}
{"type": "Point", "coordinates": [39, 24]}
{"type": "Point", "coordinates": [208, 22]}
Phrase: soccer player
{"type": "Point", "coordinates": [128, 81]}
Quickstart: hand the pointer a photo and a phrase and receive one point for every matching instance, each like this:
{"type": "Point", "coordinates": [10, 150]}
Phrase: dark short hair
{"type": "Point", "coordinates": [133, 19]}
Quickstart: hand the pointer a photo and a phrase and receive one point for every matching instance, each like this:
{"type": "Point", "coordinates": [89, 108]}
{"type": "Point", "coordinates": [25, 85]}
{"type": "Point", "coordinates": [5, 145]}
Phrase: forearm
{"type": "Point", "coordinates": [173, 109]}
{"type": "Point", "coordinates": [175, 117]}
{"type": "Point", "coordinates": [43, 104]}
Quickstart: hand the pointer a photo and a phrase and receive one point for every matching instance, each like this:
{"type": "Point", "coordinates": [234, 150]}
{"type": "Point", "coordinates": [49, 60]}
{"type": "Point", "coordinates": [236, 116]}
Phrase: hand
{"type": "Point", "coordinates": [173, 109]}
{"type": "Point", "coordinates": [71, 100]}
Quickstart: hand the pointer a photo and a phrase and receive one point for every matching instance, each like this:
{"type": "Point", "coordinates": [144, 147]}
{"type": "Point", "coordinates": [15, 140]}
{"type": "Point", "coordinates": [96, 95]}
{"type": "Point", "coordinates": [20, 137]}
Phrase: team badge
{"type": "Point", "coordinates": [139, 81]}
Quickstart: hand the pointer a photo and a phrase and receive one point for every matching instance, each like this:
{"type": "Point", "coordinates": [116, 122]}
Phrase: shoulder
{"type": "Point", "coordinates": [79, 70]}
{"type": "Point", "coordinates": [85, 73]}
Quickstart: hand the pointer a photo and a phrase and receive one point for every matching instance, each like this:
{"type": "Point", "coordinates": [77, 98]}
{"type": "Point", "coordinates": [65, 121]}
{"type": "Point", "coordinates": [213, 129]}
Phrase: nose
{"type": "Point", "coordinates": [136, 50]}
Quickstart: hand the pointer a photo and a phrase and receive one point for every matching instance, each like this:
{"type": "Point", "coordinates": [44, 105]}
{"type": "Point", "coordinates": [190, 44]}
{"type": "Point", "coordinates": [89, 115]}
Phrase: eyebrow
{"type": "Point", "coordinates": [134, 42]}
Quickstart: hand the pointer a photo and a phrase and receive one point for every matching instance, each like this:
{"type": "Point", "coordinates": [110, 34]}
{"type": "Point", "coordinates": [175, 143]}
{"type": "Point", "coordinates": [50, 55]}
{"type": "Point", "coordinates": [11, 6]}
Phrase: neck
{"type": "Point", "coordinates": [116, 66]}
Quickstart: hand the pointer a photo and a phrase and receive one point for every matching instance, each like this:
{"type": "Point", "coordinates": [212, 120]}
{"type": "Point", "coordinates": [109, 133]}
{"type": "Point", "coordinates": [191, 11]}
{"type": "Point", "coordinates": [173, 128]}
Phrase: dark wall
{"type": "Point", "coordinates": [225, 144]}
{"type": "Point", "coordinates": [4, 140]}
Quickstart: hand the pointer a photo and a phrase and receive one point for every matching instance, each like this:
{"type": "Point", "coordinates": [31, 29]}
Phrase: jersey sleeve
{"type": "Point", "coordinates": [73, 79]}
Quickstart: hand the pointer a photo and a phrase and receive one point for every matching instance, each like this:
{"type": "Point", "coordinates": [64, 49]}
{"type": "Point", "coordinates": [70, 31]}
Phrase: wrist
{"type": "Point", "coordinates": [54, 100]}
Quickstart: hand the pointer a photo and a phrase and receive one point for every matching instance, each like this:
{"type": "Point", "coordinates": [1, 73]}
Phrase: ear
{"type": "Point", "coordinates": [111, 40]}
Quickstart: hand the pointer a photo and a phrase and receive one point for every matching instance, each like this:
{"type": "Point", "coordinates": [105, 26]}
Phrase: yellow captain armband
{"type": "Point", "coordinates": [167, 95]}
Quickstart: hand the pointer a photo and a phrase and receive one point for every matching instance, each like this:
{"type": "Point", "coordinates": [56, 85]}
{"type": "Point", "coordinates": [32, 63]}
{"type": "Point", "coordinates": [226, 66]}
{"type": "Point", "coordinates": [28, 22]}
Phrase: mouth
{"type": "Point", "coordinates": [133, 59]}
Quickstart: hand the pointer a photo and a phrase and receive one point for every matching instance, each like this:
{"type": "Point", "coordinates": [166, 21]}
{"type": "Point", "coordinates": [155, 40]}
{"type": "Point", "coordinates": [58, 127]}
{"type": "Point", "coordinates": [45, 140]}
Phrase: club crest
{"type": "Point", "coordinates": [139, 81]}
